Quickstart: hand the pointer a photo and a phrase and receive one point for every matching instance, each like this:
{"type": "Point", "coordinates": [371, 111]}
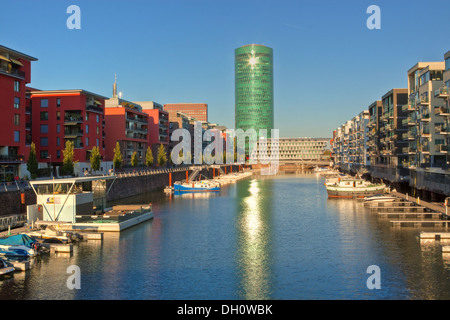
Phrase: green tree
{"type": "Point", "coordinates": [117, 161]}
{"type": "Point", "coordinates": [134, 159]}
{"type": "Point", "coordinates": [32, 163]}
{"type": "Point", "coordinates": [95, 158]}
{"type": "Point", "coordinates": [162, 156]}
{"type": "Point", "coordinates": [68, 155]}
{"type": "Point", "coordinates": [149, 157]}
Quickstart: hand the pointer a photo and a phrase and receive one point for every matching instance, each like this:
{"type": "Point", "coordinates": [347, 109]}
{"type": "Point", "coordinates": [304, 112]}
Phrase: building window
{"type": "Point", "coordinates": [44, 128]}
{"type": "Point", "coordinates": [58, 128]}
{"type": "Point", "coordinates": [58, 154]}
{"type": "Point", "coordinates": [44, 115]}
{"type": "Point", "coordinates": [58, 115]}
{"type": "Point", "coordinates": [58, 102]}
{"type": "Point", "coordinates": [16, 103]}
{"type": "Point", "coordinates": [87, 128]}
{"type": "Point", "coordinates": [44, 103]}
{"type": "Point", "coordinates": [98, 118]}
{"type": "Point", "coordinates": [44, 142]}
{"type": "Point", "coordinates": [16, 86]}
{"type": "Point", "coordinates": [98, 130]}
{"type": "Point", "coordinates": [87, 116]}
{"type": "Point", "coordinates": [17, 119]}
{"type": "Point", "coordinates": [98, 142]}
{"type": "Point", "coordinates": [16, 136]}
{"type": "Point", "coordinates": [87, 142]}
{"type": "Point", "coordinates": [44, 154]}
{"type": "Point", "coordinates": [58, 141]}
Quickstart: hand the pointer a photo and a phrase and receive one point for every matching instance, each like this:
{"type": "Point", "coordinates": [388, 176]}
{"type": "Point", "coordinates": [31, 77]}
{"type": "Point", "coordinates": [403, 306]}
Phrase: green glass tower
{"type": "Point", "coordinates": [254, 88]}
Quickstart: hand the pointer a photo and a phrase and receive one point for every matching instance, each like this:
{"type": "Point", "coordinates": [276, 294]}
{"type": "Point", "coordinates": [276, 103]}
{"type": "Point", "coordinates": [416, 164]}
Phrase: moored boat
{"type": "Point", "coordinates": [19, 245]}
{"type": "Point", "coordinates": [380, 198]}
{"type": "Point", "coordinates": [5, 268]}
{"type": "Point", "coordinates": [353, 188]}
{"type": "Point", "coordinates": [197, 186]}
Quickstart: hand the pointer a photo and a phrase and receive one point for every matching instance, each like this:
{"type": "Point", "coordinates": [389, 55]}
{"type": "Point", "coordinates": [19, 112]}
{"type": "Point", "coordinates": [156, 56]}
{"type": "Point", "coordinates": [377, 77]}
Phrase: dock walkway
{"type": "Point", "coordinates": [421, 202]}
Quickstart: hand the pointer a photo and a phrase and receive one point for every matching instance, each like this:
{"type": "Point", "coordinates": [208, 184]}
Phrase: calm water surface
{"type": "Point", "coordinates": [269, 238]}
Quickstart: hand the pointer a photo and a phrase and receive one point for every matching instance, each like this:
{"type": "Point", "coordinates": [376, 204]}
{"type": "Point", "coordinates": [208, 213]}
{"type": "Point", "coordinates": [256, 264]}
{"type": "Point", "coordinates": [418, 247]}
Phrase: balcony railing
{"type": "Point", "coordinates": [424, 101]}
{"type": "Point", "coordinates": [442, 148]}
{"type": "Point", "coordinates": [442, 111]}
{"type": "Point", "coordinates": [445, 130]}
{"type": "Point", "coordinates": [13, 71]}
{"type": "Point", "coordinates": [442, 92]}
{"type": "Point", "coordinates": [12, 158]}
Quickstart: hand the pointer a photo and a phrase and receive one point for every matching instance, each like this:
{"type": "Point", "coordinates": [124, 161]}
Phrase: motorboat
{"type": "Point", "coordinates": [380, 198]}
{"type": "Point", "coordinates": [19, 245]}
{"type": "Point", "coordinates": [5, 268]}
{"type": "Point", "coordinates": [197, 186]}
{"type": "Point", "coordinates": [353, 188]}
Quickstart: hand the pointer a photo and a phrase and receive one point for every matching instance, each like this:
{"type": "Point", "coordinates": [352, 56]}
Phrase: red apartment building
{"type": "Point", "coordinates": [198, 111]}
{"type": "Point", "coordinates": [127, 124]}
{"type": "Point", "coordinates": [158, 121]}
{"type": "Point", "coordinates": [15, 73]}
{"type": "Point", "coordinates": [67, 115]}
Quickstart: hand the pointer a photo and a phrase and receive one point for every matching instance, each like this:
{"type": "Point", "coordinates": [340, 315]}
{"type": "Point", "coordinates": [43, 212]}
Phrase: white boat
{"type": "Point", "coordinates": [380, 198]}
{"type": "Point", "coordinates": [5, 268]}
{"type": "Point", "coordinates": [20, 244]}
{"type": "Point", "coordinates": [353, 188]}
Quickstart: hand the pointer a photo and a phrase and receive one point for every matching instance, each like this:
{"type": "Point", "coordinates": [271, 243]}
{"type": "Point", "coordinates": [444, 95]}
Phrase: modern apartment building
{"type": "Point", "coordinates": [15, 73]}
{"type": "Point", "coordinates": [59, 116]}
{"type": "Point", "coordinates": [158, 126]}
{"type": "Point", "coordinates": [127, 124]}
{"type": "Point", "coordinates": [198, 111]}
{"type": "Point", "coordinates": [297, 150]}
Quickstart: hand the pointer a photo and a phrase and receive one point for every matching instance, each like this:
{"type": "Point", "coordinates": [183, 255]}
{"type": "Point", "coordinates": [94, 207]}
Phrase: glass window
{"type": "Point", "coordinates": [44, 115]}
{"type": "Point", "coordinates": [16, 102]}
{"type": "Point", "coordinates": [58, 102]}
{"type": "Point", "coordinates": [87, 142]}
{"type": "Point", "coordinates": [58, 128]}
{"type": "Point", "coordinates": [17, 119]}
{"type": "Point", "coordinates": [58, 141]}
{"type": "Point", "coordinates": [58, 154]}
{"type": "Point", "coordinates": [44, 128]}
{"type": "Point", "coordinates": [16, 136]}
{"type": "Point", "coordinates": [44, 103]}
{"type": "Point", "coordinates": [87, 128]}
{"type": "Point", "coordinates": [447, 63]}
{"type": "Point", "coordinates": [16, 86]}
{"type": "Point", "coordinates": [44, 154]}
{"type": "Point", "coordinates": [44, 142]}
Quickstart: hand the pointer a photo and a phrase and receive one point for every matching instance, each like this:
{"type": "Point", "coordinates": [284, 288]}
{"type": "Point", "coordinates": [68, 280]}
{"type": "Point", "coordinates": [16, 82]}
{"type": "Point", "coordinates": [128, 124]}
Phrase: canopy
{"type": "Point", "coordinates": [20, 239]}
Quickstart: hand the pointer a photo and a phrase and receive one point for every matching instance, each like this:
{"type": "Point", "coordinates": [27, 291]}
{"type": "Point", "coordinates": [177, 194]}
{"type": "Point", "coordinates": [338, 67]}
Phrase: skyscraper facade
{"type": "Point", "coordinates": [254, 88]}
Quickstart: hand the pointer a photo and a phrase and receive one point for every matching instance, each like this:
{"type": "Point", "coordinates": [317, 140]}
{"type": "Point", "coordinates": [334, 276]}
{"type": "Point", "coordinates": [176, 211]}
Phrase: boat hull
{"type": "Point", "coordinates": [336, 192]}
{"type": "Point", "coordinates": [194, 189]}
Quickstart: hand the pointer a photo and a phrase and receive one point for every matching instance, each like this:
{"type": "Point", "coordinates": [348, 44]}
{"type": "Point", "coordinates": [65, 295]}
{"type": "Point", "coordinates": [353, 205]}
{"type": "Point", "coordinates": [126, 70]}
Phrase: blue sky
{"type": "Point", "coordinates": [328, 66]}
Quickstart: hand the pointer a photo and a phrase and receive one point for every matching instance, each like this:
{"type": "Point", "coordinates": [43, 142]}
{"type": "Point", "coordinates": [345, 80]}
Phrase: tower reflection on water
{"type": "Point", "coordinates": [254, 239]}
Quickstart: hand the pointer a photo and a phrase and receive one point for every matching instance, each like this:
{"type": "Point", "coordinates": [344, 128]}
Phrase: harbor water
{"type": "Point", "coordinates": [274, 237]}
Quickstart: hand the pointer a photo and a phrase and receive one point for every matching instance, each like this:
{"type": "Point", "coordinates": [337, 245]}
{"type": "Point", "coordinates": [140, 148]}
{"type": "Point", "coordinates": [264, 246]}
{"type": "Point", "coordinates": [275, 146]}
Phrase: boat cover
{"type": "Point", "coordinates": [20, 239]}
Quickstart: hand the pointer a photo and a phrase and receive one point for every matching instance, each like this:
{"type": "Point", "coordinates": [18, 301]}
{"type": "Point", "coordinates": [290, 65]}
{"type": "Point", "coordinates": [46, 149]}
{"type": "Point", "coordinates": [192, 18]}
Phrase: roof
{"type": "Point", "coordinates": [17, 53]}
{"type": "Point", "coordinates": [72, 180]}
{"type": "Point", "coordinates": [56, 92]}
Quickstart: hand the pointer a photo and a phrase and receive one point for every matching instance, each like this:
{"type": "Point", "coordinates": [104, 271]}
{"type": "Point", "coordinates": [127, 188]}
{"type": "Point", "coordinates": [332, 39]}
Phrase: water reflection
{"type": "Point", "coordinates": [254, 240]}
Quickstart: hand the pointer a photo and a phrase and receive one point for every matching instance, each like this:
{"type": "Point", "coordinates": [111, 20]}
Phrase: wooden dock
{"type": "Point", "coordinates": [421, 223]}
{"type": "Point", "coordinates": [416, 215]}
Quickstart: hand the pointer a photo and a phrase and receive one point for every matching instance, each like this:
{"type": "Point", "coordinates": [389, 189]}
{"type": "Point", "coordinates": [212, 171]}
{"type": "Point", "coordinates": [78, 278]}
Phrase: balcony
{"type": "Point", "coordinates": [442, 111]}
{"type": "Point", "coordinates": [73, 119]}
{"type": "Point", "coordinates": [424, 101]}
{"type": "Point", "coordinates": [442, 148]}
{"type": "Point", "coordinates": [72, 133]}
{"type": "Point", "coordinates": [408, 108]}
{"type": "Point", "coordinates": [445, 130]}
{"type": "Point", "coordinates": [12, 158]}
{"type": "Point", "coordinates": [442, 92]}
{"type": "Point", "coordinates": [13, 72]}
{"type": "Point", "coordinates": [425, 133]}
{"type": "Point", "coordinates": [425, 117]}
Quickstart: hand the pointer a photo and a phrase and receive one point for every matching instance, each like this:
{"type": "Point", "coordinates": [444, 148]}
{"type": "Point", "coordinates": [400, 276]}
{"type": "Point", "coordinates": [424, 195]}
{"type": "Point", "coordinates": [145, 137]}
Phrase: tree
{"type": "Point", "coordinates": [95, 158]}
{"type": "Point", "coordinates": [134, 159]}
{"type": "Point", "coordinates": [117, 161]}
{"type": "Point", "coordinates": [32, 163]}
{"type": "Point", "coordinates": [149, 157]}
{"type": "Point", "coordinates": [162, 157]}
{"type": "Point", "coordinates": [68, 155]}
